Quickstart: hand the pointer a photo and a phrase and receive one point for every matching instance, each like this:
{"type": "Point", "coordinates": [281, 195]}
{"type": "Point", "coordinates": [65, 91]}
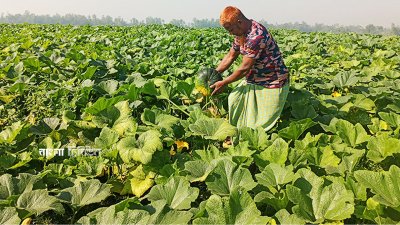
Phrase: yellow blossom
{"type": "Point", "coordinates": [336, 94]}
{"type": "Point", "coordinates": [181, 144]}
{"type": "Point", "coordinates": [383, 125]}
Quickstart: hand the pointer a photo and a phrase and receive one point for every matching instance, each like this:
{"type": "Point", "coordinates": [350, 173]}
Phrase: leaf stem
{"type": "Point", "coordinates": [173, 103]}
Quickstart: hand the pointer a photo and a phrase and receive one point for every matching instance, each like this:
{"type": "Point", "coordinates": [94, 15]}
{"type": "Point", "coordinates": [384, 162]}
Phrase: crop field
{"type": "Point", "coordinates": [106, 125]}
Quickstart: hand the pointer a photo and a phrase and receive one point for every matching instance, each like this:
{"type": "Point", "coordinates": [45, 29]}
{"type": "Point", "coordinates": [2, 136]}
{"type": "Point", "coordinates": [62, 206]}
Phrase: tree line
{"type": "Point", "coordinates": [94, 20]}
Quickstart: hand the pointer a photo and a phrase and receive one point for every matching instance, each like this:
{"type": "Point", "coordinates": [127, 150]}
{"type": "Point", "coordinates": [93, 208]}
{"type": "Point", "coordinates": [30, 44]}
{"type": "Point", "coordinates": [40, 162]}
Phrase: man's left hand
{"type": "Point", "coordinates": [218, 87]}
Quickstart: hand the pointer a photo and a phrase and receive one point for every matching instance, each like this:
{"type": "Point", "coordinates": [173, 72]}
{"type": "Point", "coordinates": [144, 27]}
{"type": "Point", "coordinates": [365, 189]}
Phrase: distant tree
{"type": "Point", "coordinates": [394, 30]}
{"type": "Point", "coordinates": [74, 19]}
{"type": "Point", "coordinates": [205, 23]}
{"type": "Point", "coordinates": [370, 28]}
{"type": "Point", "coordinates": [134, 22]}
{"type": "Point", "coordinates": [154, 20]}
{"type": "Point", "coordinates": [180, 22]}
{"type": "Point", "coordinates": [120, 22]}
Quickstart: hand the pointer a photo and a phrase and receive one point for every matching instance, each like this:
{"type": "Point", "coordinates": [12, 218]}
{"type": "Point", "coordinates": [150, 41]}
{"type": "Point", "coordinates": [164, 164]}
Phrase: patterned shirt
{"type": "Point", "coordinates": [269, 69]}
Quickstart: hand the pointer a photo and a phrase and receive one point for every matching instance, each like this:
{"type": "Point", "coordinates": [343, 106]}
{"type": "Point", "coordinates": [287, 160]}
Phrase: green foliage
{"type": "Point", "coordinates": [38, 202]}
{"type": "Point", "coordinates": [85, 193]}
{"type": "Point", "coordinates": [9, 216]}
{"type": "Point", "coordinates": [132, 93]}
{"type": "Point", "coordinates": [316, 202]}
{"type": "Point", "coordinates": [213, 129]}
{"type": "Point", "coordinates": [227, 176]}
{"type": "Point", "coordinates": [176, 192]}
{"type": "Point", "coordinates": [385, 185]}
{"type": "Point", "coordinates": [237, 208]}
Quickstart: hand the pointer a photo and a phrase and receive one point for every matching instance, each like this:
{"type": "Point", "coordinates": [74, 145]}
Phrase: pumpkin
{"type": "Point", "coordinates": [205, 78]}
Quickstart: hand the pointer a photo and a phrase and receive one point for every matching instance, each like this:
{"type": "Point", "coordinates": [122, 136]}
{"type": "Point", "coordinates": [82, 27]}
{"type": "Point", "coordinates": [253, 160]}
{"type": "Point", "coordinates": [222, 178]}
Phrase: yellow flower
{"type": "Point", "coordinates": [383, 125]}
{"type": "Point", "coordinates": [272, 222]}
{"type": "Point", "coordinates": [336, 94]}
{"type": "Point", "coordinates": [181, 144]}
{"type": "Point", "coordinates": [27, 221]}
{"type": "Point", "coordinates": [172, 152]}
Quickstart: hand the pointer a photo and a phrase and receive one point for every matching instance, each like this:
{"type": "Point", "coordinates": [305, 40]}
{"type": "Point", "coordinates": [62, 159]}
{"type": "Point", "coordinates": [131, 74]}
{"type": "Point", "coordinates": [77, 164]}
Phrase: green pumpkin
{"type": "Point", "coordinates": [207, 77]}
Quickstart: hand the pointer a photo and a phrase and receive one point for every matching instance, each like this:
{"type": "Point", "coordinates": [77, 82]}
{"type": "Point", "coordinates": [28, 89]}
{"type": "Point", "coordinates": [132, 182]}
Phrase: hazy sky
{"type": "Point", "coordinates": [343, 12]}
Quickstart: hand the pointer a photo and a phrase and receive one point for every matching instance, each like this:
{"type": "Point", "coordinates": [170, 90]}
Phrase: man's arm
{"type": "Point", "coordinates": [243, 69]}
{"type": "Point", "coordinates": [227, 61]}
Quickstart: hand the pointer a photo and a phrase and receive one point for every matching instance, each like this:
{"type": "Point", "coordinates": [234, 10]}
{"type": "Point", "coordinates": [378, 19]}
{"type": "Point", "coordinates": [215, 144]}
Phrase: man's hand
{"type": "Point", "coordinates": [239, 73]}
{"type": "Point", "coordinates": [218, 87]}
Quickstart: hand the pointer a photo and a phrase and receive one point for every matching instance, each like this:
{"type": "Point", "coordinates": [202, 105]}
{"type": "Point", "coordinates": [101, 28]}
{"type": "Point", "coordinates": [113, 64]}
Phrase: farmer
{"type": "Point", "coordinates": [259, 99]}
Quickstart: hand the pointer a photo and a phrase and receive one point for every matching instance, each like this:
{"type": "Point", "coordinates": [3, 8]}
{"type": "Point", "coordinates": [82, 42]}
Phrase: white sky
{"type": "Point", "coordinates": [343, 12]}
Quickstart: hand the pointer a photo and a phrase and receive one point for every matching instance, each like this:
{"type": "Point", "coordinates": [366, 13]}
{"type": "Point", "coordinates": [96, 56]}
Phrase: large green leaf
{"type": "Point", "coordinates": [350, 64]}
{"type": "Point", "coordinates": [257, 139]}
{"type": "Point", "coordinates": [198, 170]}
{"type": "Point", "coordinates": [9, 215]}
{"type": "Point", "coordinates": [118, 117]}
{"type": "Point", "coordinates": [162, 214]}
{"type": "Point", "coordinates": [124, 124]}
{"type": "Point", "coordinates": [381, 147]}
{"type": "Point", "coordinates": [274, 176]}
{"type": "Point", "coordinates": [241, 154]}
{"type": "Point", "coordinates": [203, 165]}
{"type": "Point", "coordinates": [237, 208]}
{"type": "Point", "coordinates": [140, 150]}
{"type": "Point", "coordinates": [85, 193]}
{"type": "Point", "coordinates": [141, 181]}
{"type": "Point", "coordinates": [275, 153]}
{"type": "Point", "coordinates": [302, 110]}
{"type": "Point", "coordinates": [227, 176]}
{"type": "Point", "coordinates": [345, 79]}
{"type": "Point", "coordinates": [316, 202]}
{"type": "Point", "coordinates": [91, 166]}
{"type": "Point", "coordinates": [214, 129]}
{"type": "Point", "coordinates": [8, 135]}
{"type": "Point", "coordinates": [391, 118]}
{"type": "Point", "coordinates": [90, 71]}
{"type": "Point", "coordinates": [7, 160]}
{"type": "Point", "coordinates": [302, 149]}
{"type": "Point", "coordinates": [284, 217]}
{"type": "Point", "coordinates": [352, 135]}
{"type": "Point", "coordinates": [38, 202]}
{"type": "Point", "coordinates": [208, 155]}
{"type": "Point", "coordinates": [106, 117]}
{"type": "Point", "coordinates": [107, 139]}
{"type": "Point", "coordinates": [296, 128]}
{"type": "Point", "coordinates": [46, 126]}
{"type": "Point", "coordinates": [176, 192]}
{"type": "Point", "coordinates": [157, 118]}
{"type": "Point", "coordinates": [133, 92]}
{"type": "Point", "coordinates": [17, 185]}
{"type": "Point", "coordinates": [102, 104]}
{"type": "Point", "coordinates": [325, 157]}
{"type": "Point", "coordinates": [112, 215]}
{"type": "Point", "coordinates": [149, 88]}
{"type": "Point", "coordinates": [107, 87]}
{"type": "Point", "coordinates": [365, 103]}
{"type": "Point", "coordinates": [385, 185]}
{"type": "Point", "coordinates": [359, 190]}
{"type": "Point", "coordinates": [185, 88]}
{"type": "Point", "coordinates": [167, 90]}
{"type": "Point", "coordinates": [277, 200]}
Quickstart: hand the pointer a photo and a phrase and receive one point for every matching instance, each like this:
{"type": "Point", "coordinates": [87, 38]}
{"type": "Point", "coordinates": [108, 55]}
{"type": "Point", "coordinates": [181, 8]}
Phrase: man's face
{"type": "Point", "coordinates": [234, 28]}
